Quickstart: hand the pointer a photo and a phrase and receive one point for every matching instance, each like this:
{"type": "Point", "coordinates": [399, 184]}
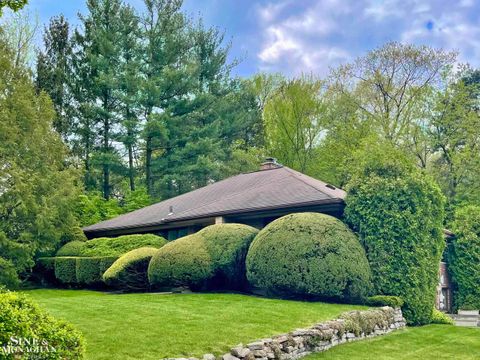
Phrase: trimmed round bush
{"type": "Point", "coordinates": [20, 317]}
{"type": "Point", "coordinates": [464, 258]}
{"type": "Point", "coordinates": [385, 300]}
{"type": "Point", "coordinates": [309, 255]}
{"type": "Point", "coordinates": [72, 248]}
{"type": "Point", "coordinates": [129, 272]}
{"type": "Point", "coordinates": [213, 258]}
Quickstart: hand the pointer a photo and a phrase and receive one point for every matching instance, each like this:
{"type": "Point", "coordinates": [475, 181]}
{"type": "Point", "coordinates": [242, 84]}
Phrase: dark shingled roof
{"type": "Point", "coordinates": [256, 191]}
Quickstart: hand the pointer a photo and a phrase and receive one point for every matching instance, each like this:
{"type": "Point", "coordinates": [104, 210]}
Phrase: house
{"type": "Point", "coordinates": [254, 198]}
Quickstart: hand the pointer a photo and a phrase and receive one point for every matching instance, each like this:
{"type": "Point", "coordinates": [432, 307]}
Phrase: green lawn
{"type": "Point", "coordinates": [432, 342]}
{"type": "Point", "coordinates": [154, 326]}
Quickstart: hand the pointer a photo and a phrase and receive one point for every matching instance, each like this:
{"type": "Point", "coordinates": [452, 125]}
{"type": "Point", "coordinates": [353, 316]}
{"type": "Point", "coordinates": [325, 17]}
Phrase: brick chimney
{"type": "Point", "coordinates": [270, 163]}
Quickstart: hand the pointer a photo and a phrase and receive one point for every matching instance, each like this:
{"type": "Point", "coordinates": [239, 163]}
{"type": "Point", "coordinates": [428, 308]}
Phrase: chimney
{"type": "Point", "coordinates": [270, 163]}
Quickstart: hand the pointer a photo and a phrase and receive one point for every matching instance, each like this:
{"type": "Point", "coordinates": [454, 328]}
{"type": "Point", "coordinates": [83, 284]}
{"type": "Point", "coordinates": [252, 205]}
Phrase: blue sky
{"type": "Point", "coordinates": [295, 36]}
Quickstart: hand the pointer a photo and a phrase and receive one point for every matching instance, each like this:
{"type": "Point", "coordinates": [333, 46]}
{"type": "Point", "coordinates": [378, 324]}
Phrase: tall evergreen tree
{"type": "Point", "coordinates": [53, 70]}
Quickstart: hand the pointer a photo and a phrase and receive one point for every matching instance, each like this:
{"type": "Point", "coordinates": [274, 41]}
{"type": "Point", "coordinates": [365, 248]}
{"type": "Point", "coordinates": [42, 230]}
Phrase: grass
{"type": "Point", "coordinates": [155, 326]}
{"type": "Point", "coordinates": [427, 342]}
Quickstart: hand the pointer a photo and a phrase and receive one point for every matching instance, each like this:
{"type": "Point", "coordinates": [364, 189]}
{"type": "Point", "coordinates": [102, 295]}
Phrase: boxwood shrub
{"type": "Point", "coordinates": [464, 259]}
{"type": "Point", "coordinates": [398, 213]}
{"type": "Point", "coordinates": [88, 270]}
{"type": "Point", "coordinates": [65, 269]}
{"type": "Point", "coordinates": [385, 300]}
{"type": "Point", "coordinates": [20, 317]}
{"type": "Point", "coordinates": [129, 272]}
{"type": "Point", "coordinates": [309, 255]}
{"type": "Point", "coordinates": [210, 259]}
{"type": "Point", "coordinates": [72, 248]}
{"type": "Point", "coordinates": [111, 246]}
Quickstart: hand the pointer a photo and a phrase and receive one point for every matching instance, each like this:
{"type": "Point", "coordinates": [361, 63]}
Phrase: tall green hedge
{"type": "Point", "coordinates": [212, 258]}
{"type": "Point", "coordinates": [309, 255]}
{"type": "Point", "coordinates": [20, 317]}
{"type": "Point", "coordinates": [75, 270]}
{"type": "Point", "coordinates": [464, 260]}
{"type": "Point", "coordinates": [129, 272]}
{"type": "Point", "coordinates": [399, 214]}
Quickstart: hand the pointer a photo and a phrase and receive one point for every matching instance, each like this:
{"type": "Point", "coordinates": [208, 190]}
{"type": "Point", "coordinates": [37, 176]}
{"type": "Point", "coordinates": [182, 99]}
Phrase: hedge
{"type": "Point", "coordinates": [20, 317]}
{"type": "Point", "coordinates": [309, 255]}
{"type": "Point", "coordinates": [399, 218]}
{"type": "Point", "coordinates": [65, 269]}
{"type": "Point", "coordinates": [111, 246]}
{"type": "Point", "coordinates": [210, 259]}
{"type": "Point", "coordinates": [129, 272]}
{"type": "Point", "coordinates": [464, 260]}
{"type": "Point", "coordinates": [73, 270]}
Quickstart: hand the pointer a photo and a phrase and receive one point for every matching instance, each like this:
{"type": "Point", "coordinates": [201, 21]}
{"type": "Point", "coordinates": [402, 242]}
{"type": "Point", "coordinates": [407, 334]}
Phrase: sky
{"type": "Point", "coordinates": [310, 36]}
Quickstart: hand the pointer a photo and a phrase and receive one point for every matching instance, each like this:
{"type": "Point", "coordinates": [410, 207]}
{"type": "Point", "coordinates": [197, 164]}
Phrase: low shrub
{"type": "Point", "coordinates": [358, 322]}
{"type": "Point", "coordinates": [120, 245]}
{"type": "Point", "coordinates": [464, 259]}
{"type": "Point", "coordinates": [309, 255]}
{"type": "Point", "coordinates": [20, 317]}
{"type": "Point", "coordinates": [385, 300]}
{"type": "Point", "coordinates": [129, 272]}
{"type": "Point", "coordinates": [212, 258]}
{"type": "Point", "coordinates": [439, 317]}
{"type": "Point", "coordinates": [65, 269]}
{"type": "Point", "coordinates": [72, 248]}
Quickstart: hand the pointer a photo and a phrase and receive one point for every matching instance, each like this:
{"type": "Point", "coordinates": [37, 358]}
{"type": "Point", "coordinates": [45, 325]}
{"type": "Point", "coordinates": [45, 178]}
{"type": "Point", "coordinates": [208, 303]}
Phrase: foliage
{"type": "Point", "coordinates": [398, 214]}
{"type": "Point", "coordinates": [439, 317]}
{"type": "Point", "coordinates": [8, 274]}
{"type": "Point", "coordinates": [44, 269]}
{"type": "Point", "coordinates": [121, 245]}
{"type": "Point", "coordinates": [91, 208]}
{"type": "Point", "coordinates": [36, 187]}
{"type": "Point", "coordinates": [464, 262]}
{"type": "Point", "coordinates": [365, 322]}
{"type": "Point", "coordinates": [385, 300]}
{"type": "Point", "coordinates": [20, 317]}
{"type": "Point", "coordinates": [212, 258]}
{"type": "Point", "coordinates": [129, 272]}
{"type": "Point", "coordinates": [293, 120]}
{"type": "Point", "coordinates": [89, 270]}
{"type": "Point", "coordinates": [73, 248]}
{"type": "Point", "coordinates": [95, 312]}
{"type": "Point", "coordinates": [66, 269]}
{"type": "Point", "coordinates": [309, 254]}
{"type": "Point", "coordinates": [15, 5]}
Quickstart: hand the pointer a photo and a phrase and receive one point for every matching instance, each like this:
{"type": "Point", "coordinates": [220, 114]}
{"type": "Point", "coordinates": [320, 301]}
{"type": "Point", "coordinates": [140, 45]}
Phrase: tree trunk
{"type": "Point", "coordinates": [148, 164]}
{"type": "Point", "coordinates": [106, 165]}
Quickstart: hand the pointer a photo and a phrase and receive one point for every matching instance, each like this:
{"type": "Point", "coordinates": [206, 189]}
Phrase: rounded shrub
{"type": "Point", "coordinates": [309, 255]}
{"type": "Point", "coordinates": [464, 258]}
{"type": "Point", "coordinates": [385, 300]}
{"type": "Point", "coordinates": [399, 218]}
{"type": "Point", "coordinates": [210, 259]}
{"type": "Point", "coordinates": [129, 272]}
{"type": "Point", "coordinates": [21, 318]}
{"type": "Point", "coordinates": [72, 248]}
{"type": "Point", "coordinates": [120, 245]}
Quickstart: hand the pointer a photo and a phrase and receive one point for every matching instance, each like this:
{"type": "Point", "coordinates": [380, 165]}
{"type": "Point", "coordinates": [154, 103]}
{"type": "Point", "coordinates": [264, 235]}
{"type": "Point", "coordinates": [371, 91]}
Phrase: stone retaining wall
{"type": "Point", "coordinates": [351, 326]}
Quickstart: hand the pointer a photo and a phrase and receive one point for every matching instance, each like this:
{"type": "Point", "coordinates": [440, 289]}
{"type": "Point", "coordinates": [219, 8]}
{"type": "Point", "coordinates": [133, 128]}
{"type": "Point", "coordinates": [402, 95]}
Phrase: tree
{"type": "Point", "coordinates": [389, 83]}
{"type": "Point", "coordinates": [294, 122]}
{"type": "Point", "coordinates": [36, 188]}
{"type": "Point", "coordinates": [464, 261]}
{"type": "Point", "coordinates": [15, 5]}
{"type": "Point", "coordinates": [398, 213]}
{"type": "Point", "coordinates": [53, 68]}
{"type": "Point", "coordinates": [98, 52]}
